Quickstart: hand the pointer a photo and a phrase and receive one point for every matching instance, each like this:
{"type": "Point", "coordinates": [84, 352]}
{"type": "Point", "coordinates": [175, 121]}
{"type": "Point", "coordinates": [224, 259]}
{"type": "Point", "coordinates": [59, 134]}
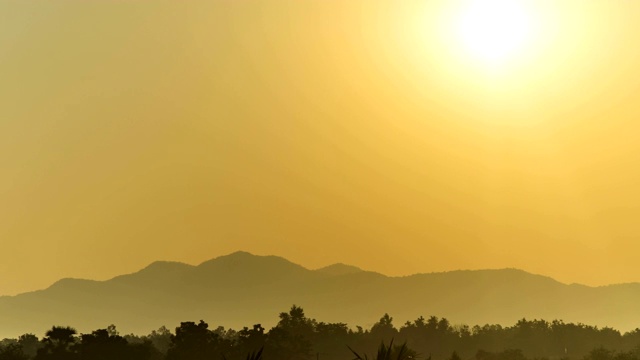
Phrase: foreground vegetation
{"type": "Point", "coordinates": [297, 337]}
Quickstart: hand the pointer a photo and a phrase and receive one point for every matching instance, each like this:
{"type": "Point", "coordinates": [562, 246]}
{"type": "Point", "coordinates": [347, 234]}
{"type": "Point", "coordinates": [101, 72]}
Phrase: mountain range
{"type": "Point", "coordinates": [242, 289]}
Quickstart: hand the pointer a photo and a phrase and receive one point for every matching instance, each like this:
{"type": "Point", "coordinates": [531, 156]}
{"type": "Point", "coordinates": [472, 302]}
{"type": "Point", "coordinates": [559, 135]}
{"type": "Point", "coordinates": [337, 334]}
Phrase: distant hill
{"type": "Point", "coordinates": [339, 269]}
{"type": "Point", "coordinates": [241, 289]}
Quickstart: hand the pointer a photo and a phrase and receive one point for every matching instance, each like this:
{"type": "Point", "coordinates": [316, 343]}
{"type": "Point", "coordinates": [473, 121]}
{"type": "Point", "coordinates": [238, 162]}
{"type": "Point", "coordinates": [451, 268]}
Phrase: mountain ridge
{"type": "Point", "coordinates": [241, 289]}
{"type": "Point", "coordinates": [237, 255]}
{"type": "Point", "coordinates": [234, 256]}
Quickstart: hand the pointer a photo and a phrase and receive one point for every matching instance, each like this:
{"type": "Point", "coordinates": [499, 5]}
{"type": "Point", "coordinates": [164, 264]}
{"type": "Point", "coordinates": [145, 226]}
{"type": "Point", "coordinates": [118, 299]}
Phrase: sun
{"type": "Point", "coordinates": [494, 31]}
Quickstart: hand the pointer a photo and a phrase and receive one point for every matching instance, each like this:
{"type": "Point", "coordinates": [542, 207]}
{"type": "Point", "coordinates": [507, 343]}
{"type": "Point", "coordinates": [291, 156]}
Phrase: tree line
{"type": "Point", "coordinates": [297, 337]}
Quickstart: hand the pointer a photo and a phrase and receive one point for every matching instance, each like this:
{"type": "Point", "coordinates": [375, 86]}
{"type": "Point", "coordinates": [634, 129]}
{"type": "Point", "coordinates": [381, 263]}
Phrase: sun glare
{"type": "Point", "coordinates": [494, 30]}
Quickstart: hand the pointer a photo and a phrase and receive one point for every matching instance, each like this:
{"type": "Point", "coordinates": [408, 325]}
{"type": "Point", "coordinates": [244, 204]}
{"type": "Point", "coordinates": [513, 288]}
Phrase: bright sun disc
{"type": "Point", "coordinates": [494, 30]}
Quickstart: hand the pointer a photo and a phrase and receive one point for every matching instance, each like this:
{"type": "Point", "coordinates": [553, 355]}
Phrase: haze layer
{"type": "Point", "coordinates": [322, 131]}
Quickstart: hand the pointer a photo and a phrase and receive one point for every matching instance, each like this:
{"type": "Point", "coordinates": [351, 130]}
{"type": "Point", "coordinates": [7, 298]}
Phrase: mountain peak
{"type": "Point", "coordinates": [339, 269]}
{"type": "Point", "coordinates": [156, 272]}
{"type": "Point", "coordinates": [160, 266]}
{"type": "Point", "coordinates": [242, 261]}
{"type": "Point", "coordinates": [71, 283]}
{"type": "Point", "coordinates": [244, 256]}
{"type": "Point", "coordinates": [241, 254]}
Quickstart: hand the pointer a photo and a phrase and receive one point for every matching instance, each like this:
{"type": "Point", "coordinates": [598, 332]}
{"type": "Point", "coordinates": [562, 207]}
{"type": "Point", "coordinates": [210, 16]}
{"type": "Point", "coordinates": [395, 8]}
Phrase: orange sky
{"type": "Point", "coordinates": [322, 131]}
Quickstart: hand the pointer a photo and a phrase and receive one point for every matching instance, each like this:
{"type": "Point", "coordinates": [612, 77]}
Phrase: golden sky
{"type": "Point", "coordinates": [324, 131]}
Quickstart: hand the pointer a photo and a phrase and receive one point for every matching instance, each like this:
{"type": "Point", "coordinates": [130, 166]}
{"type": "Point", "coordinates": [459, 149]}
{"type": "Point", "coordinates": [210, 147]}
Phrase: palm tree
{"type": "Point", "coordinates": [256, 355]}
{"type": "Point", "coordinates": [58, 343]}
{"type": "Point", "coordinates": [401, 352]}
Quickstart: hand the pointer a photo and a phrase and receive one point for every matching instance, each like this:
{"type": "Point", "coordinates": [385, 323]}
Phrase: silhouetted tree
{"type": "Point", "coordinates": [161, 339]}
{"type": "Point", "coordinates": [30, 344]}
{"type": "Point", "coordinates": [292, 338]}
{"type": "Point", "coordinates": [194, 342]}
{"type": "Point", "coordinates": [600, 354]}
{"type": "Point", "coordinates": [330, 340]}
{"type": "Point", "coordinates": [384, 329]}
{"type": "Point", "coordinates": [57, 344]}
{"type": "Point", "coordinates": [12, 352]}
{"type": "Point", "coordinates": [250, 340]}
{"type": "Point", "coordinates": [106, 344]}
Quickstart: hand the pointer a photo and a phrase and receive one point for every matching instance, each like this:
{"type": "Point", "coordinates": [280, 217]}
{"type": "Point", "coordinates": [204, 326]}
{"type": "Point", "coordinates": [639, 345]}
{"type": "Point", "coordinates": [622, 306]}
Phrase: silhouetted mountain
{"type": "Point", "coordinates": [339, 269]}
{"type": "Point", "coordinates": [241, 289]}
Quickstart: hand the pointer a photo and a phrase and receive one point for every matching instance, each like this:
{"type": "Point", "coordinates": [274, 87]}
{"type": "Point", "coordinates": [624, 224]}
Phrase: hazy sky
{"type": "Point", "coordinates": [320, 130]}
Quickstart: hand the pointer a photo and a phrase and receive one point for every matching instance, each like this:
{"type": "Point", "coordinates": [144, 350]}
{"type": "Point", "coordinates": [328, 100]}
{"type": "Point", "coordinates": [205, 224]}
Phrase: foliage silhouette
{"type": "Point", "coordinates": [57, 345]}
{"type": "Point", "coordinates": [13, 352]}
{"type": "Point", "coordinates": [298, 337]}
{"type": "Point", "coordinates": [390, 352]}
{"type": "Point", "coordinates": [251, 356]}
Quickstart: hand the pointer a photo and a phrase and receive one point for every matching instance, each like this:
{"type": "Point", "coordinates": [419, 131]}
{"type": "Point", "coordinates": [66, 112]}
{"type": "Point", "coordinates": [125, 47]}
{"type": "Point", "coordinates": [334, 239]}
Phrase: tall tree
{"type": "Point", "coordinates": [57, 344]}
